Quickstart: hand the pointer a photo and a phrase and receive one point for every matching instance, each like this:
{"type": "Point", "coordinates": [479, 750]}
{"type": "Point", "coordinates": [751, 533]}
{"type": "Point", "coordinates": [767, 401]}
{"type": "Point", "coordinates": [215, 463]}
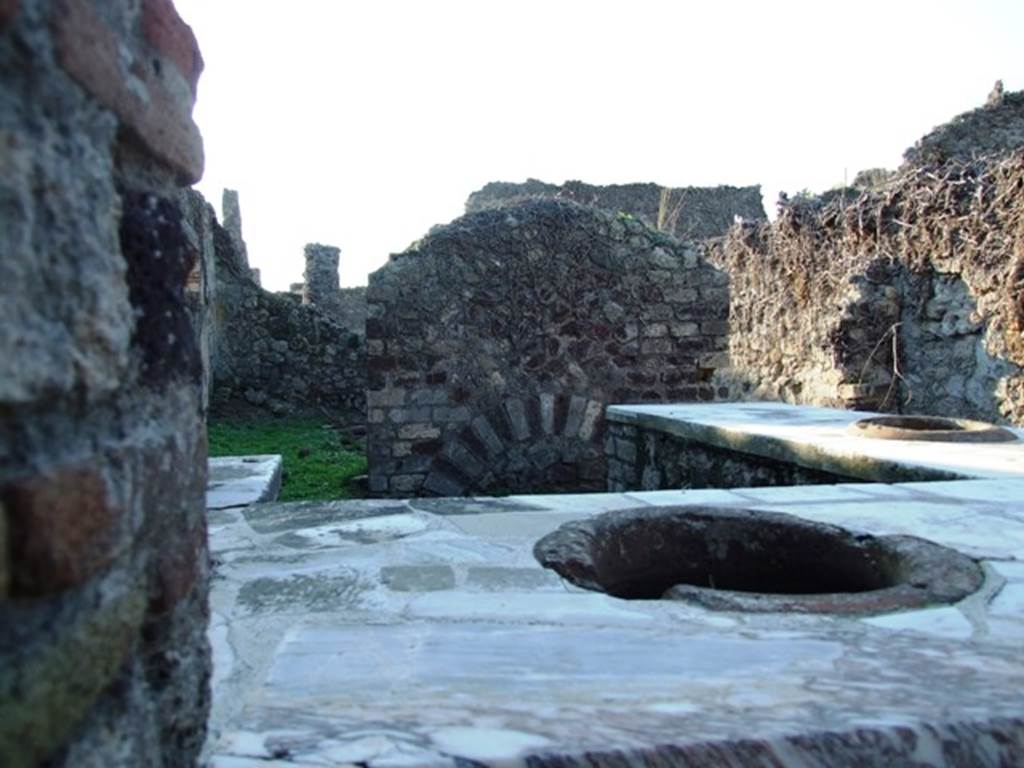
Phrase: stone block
{"type": "Point", "coordinates": [153, 103]}
{"type": "Point", "coordinates": [547, 413]}
{"type": "Point", "coordinates": [441, 484]}
{"type": "Point", "coordinates": [492, 442]}
{"type": "Point", "coordinates": [385, 398]}
{"type": "Point", "coordinates": [406, 415]}
{"type": "Point", "coordinates": [63, 528]}
{"type": "Point", "coordinates": [458, 455]}
{"type": "Point", "coordinates": [655, 330]}
{"type": "Point", "coordinates": [405, 483]}
{"type": "Point", "coordinates": [517, 418]}
{"type": "Point", "coordinates": [418, 432]}
{"type": "Point", "coordinates": [401, 449]}
{"type": "Point", "coordinates": [715, 327]}
{"type": "Point", "coordinates": [168, 34]}
{"type": "Point", "coordinates": [591, 418]}
{"type": "Point", "coordinates": [459, 414]}
{"type": "Point", "coordinates": [656, 346]}
{"type": "Point", "coordinates": [574, 419]}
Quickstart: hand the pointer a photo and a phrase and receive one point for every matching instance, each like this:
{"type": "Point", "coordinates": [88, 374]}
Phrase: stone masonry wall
{"type": "Point", "coordinates": [642, 459]}
{"type": "Point", "coordinates": [688, 213]}
{"type": "Point", "coordinates": [104, 659]}
{"type": "Point", "coordinates": [275, 354]}
{"type": "Point", "coordinates": [495, 343]}
{"type": "Point", "coordinates": [908, 298]}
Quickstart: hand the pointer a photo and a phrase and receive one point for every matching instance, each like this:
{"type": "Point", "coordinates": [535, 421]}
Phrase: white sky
{"type": "Point", "coordinates": [362, 124]}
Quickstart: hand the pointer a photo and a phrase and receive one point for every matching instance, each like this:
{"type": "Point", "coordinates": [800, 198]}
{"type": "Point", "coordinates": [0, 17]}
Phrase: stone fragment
{"type": "Point", "coordinates": [63, 528]}
{"type": "Point", "coordinates": [156, 108]}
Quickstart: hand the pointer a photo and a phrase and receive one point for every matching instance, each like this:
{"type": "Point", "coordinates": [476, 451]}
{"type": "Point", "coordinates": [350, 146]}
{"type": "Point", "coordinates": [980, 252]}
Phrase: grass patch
{"type": "Point", "coordinates": [318, 462]}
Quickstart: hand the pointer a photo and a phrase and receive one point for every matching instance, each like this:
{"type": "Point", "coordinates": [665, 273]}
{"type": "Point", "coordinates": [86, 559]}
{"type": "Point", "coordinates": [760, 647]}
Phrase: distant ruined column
{"type": "Point", "coordinates": [322, 287]}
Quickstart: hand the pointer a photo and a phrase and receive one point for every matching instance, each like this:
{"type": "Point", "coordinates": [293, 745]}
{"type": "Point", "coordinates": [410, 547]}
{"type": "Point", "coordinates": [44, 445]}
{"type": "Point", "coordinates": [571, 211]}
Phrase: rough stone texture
{"type": "Point", "coordinates": [495, 343]}
{"type": "Point", "coordinates": [103, 572]}
{"type": "Point", "coordinates": [272, 352]}
{"type": "Point", "coordinates": [650, 460]}
{"type": "Point", "coordinates": [995, 128]}
{"type": "Point", "coordinates": [321, 289]}
{"type": "Point", "coordinates": [908, 297]}
{"type": "Point", "coordinates": [689, 213]}
{"type": "Point", "coordinates": [321, 286]}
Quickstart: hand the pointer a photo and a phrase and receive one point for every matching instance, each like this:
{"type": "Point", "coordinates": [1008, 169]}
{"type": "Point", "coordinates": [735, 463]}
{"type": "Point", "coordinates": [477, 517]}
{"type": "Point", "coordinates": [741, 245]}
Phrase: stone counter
{"type": "Point", "coordinates": [423, 633]}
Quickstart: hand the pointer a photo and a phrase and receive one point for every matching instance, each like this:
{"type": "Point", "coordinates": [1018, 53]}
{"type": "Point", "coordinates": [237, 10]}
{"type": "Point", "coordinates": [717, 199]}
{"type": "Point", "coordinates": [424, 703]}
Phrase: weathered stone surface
{"type": "Point", "coordinates": [154, 103]}
{"type": "Point", "coordinates": [689, 213]}
{"type": "Point", "coordinates": [274, 353]}
{"type": "Point", "coordinates": [995, 128]}
{"type": "Point", "coordinates": [935, 326]}
{"type": "Point", "coordinates": [518, 325]}
{"type": "Point", "coordinates": [63, 528]}
{"type": "Point", "coordinates": [103, 576]}
{"type": "Point", "coordinates": [49, 687]}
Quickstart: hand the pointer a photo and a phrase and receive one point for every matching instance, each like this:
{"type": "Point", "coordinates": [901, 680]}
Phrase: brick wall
{"type": "Point", "coordinates": [103, 562]}
{"type": "Point", "coordinates": [494, 344]}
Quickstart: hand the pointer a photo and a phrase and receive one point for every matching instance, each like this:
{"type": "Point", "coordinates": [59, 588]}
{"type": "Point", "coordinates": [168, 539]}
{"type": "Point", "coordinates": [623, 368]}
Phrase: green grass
{"type": "Point", "coordinates": [319, 463]}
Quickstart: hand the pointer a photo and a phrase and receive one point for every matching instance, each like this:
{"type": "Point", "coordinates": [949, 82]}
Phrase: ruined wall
{"type": "Point", "coordinates": [906, 298]}
{"type": "Point", "coordinates": [495, 343]}
{"type": "Point", "coordinates": [641, 459]}
{"type": "Point", "coordinates": [275, 354]}
{"type": "Point", "coordinates": [103, 562]}
{"type": "Point", "coordinates": [689, 213]}
{"type": "Point", "coordinates": [321, 288]}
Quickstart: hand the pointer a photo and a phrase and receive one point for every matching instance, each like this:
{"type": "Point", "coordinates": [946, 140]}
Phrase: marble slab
{"type": "Point", "coordinates": [817, 438]}
{"type": "Point", "coordinates": [424, 633]}
{"type": "Point", "coordinates": [235, 481]}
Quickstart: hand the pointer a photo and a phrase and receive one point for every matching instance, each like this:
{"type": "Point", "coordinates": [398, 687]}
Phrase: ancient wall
{"type": "Point", "coordinates": [495, 343]}
{"type": "Point", "coordinates": [104, 659]}
{"type": "Point", "coordinates": [907, 297]}
{"type": "Point", "coordinates": [689, 213]}
{"type": "Point", "coordinates": [642, 459]}
{"type": "Point", "coordinates": [276, 354]}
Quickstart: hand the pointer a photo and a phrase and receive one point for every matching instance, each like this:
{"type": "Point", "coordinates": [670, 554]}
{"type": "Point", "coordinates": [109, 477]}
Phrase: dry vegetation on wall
{"type": "Point", "coordinates": [884, 259]}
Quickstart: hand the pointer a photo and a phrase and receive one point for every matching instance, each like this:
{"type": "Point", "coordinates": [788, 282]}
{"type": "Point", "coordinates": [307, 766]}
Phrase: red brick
{"type": "Point", "coordinates": [90, 52]}
{"type": "Point", "coordinates": [179, 566]}
{"type": "Point", "coordinates": [62, 529]}
{"type": "Point", "coordinates": [167, 33]}
{"type": "Point", "coordinates": [8, 8]}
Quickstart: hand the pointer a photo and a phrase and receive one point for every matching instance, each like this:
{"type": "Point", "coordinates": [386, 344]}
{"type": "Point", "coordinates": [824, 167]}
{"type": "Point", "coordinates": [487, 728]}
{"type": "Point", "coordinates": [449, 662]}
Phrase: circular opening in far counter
{"type": "Point", "coordinates": [931, 429]}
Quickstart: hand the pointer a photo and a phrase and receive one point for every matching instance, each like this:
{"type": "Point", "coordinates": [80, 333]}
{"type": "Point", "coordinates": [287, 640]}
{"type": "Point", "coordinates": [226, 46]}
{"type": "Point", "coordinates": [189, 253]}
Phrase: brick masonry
{"type": "Point", "coordinates": [494, 344]}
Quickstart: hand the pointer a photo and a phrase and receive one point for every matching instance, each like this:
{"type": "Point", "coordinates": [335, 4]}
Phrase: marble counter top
{"type": "Point", "coordinates": [423, 633]}
{"type": "Point", "coordinates": [817, 438]}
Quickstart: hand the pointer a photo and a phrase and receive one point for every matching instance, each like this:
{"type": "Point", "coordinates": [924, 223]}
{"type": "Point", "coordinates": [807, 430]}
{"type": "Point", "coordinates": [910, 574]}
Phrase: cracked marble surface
{"type": "Point", "coordinates": [423, 632]}
{"type": "Point", "coordinates": [235, 481]}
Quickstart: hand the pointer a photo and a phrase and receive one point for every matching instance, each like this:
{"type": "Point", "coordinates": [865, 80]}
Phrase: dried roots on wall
{"type": "Point", "coordinates": [905, 297]}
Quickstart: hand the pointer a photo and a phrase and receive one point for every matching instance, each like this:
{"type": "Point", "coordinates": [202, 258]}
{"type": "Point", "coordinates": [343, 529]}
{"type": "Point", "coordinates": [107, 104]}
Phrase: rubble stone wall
{"type": "Point", "coordinates": [276, 354]}
{"type": "Point", "coordinates": [495, 343]}
{"type": "Point", "coordinates": [688, 213]}
{"type": "Point", "coordinates": [905, 298]}
{"type": "Point", "coordinates": [641, 459]}
{"type": "Point", "coordinates": [103, 550]}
